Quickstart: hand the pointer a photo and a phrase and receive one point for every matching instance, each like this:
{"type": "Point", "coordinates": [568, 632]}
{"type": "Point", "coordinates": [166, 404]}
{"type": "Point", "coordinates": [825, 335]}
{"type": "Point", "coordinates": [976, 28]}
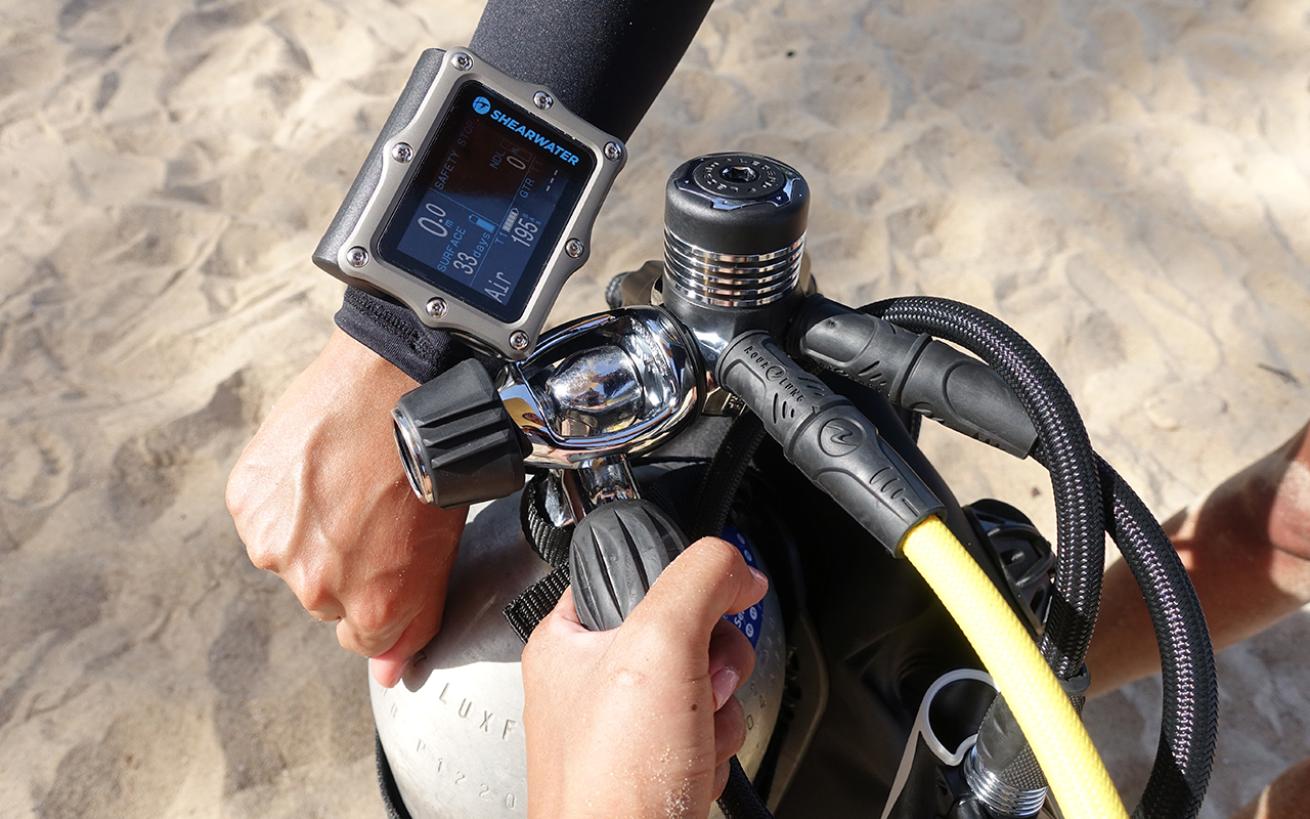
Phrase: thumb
{"type": "Point", "coordinates": [389, 666]}
{"type": "Point", "coordinates": [708, 580]}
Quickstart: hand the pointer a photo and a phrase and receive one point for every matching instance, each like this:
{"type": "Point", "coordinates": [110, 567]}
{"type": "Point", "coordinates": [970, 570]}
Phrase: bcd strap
{"type": "Point", "coordinates": [551, 543]}
{"type": "Point", "coordinates": [531, 607]}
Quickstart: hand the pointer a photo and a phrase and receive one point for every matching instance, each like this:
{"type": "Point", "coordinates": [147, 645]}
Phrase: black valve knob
{"type": "Point", "coordinates": [617, 551]}
{"type": "Point", "coordinates": [457, 442]}
{"type": "Point", "coordinates": [736, 204]}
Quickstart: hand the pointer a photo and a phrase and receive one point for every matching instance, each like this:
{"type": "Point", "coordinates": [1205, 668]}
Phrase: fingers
{"type": "Point", "coordinates": [729, 731]}
{"type": "Point", "coordinates": [720, 781]}
{"type": "Point", "coordinates": [732, 659]}
{"type": "Point", "coordinates": [389, 666]}
{"type": "Point", "coordinates": [566, 611]}
{"type": "Point", "coordinates": [705, 582]}
{"type": "Point", "coordinates": [559, 645]}
{"type": "Point", "coordinates": [553, 629]}
{"type": "Point", "coordinates": [314, 591]}
{"type": "Point", "coordinates": [562, 621]}
{"type": "Point", "coordinates": [368, 634]}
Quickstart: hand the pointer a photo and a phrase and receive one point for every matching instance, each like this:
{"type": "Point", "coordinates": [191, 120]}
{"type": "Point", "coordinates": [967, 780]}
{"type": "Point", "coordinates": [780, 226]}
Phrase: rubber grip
{"type": "Point", "coordinates": [458, 443]}
{"type": "Point", "coordinates": [366, 181]}
{"type": "Point", "coordinates": [617, 552]}
{"type": "Point", "coordinates": [917, 372]}
{"type": "Point", "coordinates": [827, 438]}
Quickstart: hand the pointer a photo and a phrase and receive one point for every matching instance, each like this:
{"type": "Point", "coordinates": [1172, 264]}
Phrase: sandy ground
{"type": "Point", "coordinates": [1127, 183]}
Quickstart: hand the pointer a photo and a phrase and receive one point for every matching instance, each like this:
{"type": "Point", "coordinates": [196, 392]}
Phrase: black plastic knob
{"type": "Point", "coordinates": [617, 552]}
{"type": "Point", "coordinates": [457, 442]}
{"type": "Point", "coordinates": [736, 203]}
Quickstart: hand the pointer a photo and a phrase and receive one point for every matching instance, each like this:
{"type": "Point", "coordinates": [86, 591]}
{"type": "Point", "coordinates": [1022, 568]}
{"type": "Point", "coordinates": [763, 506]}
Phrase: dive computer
{"type": "Point", "coordinates": [475, 204]}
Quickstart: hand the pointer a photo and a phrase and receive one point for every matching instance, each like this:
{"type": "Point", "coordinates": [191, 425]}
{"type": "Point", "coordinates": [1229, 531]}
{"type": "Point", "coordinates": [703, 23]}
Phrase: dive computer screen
{"type": "Point", "coordinates": [487, 203]}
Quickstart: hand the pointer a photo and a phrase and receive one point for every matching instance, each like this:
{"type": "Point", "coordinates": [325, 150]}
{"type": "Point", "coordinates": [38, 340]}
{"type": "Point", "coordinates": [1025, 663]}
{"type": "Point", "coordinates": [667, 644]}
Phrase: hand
{"type": "Point", "coordinates": [320, 498]}
{"type": "Point", "coordinates": [640, 721]}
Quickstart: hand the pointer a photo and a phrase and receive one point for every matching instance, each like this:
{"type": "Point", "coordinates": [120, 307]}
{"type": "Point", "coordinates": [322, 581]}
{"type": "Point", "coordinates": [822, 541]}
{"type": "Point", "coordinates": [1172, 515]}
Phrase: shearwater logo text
{"type": "Point", "coordinates": [540, 140]}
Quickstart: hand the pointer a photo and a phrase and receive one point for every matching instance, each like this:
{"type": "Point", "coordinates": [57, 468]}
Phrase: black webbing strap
{"type": "Point", "coordinates": [551, 543]}
{"type": "Point", "coordinates": [531, 607]}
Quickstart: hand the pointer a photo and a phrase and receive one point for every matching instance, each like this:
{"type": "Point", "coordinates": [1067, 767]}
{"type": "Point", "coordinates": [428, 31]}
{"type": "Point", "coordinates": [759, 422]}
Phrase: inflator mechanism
{"type": "Point", "coordinates": [917, 372]}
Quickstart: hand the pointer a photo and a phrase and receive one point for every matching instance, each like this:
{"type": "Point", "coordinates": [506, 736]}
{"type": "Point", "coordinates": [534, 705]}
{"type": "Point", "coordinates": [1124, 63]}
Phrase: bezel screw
{"type": "Point", "coordinates": [402, 152]}
{"type": "Point", "coordinates": [518, 340]}
{"type": "Point", "coordinates": [613, 151]}
{"type": "Point", "coordinates": [542, 100]}
{"type": "Point", "coordinates": [436, 307]}
{"type": "Point", "coordinates": [574, 248]}
{"type": "Point", "coordinates": [357, 256]}
{"type": "Point", "coordinates": [461, 61]}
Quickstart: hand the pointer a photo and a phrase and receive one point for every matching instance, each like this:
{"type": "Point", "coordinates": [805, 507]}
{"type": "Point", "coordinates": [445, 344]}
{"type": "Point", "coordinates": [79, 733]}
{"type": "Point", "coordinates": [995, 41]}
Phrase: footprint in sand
{"type": "Point", "coordinates": [136, 769]}
{"type": "Point", "coordinates": [148, 468]}
{"type": "Point", "coordinates": [35, 466]}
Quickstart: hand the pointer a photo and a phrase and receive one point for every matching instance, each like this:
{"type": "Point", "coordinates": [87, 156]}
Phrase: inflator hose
{"type": "Point", "coordinates": [1075, 772]}
{"type": "Point", "coordinates": [1080, 526]}
{"type": "Point", "coordinates": [1185, 755]}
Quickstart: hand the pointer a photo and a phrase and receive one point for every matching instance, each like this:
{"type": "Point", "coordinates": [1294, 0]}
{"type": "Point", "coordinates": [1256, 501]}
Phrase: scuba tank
{"type": "Point", "coordinates": [863, 666]}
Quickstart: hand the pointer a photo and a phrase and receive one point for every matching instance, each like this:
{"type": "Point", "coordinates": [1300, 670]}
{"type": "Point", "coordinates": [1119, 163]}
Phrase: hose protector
{"type": "Point", "coordinates": [827, 438]}
{"type": "Point", "coordinates": [916, 372]}
{"type": "Point", "coordinates": [1080, 522]}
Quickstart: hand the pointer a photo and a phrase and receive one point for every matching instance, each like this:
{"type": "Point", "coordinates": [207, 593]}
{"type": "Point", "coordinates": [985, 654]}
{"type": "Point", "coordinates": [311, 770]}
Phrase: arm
{"type": "Point", "coordinates": [319, 497]}
{"type": "Point", "coordinates": [1247, 550]}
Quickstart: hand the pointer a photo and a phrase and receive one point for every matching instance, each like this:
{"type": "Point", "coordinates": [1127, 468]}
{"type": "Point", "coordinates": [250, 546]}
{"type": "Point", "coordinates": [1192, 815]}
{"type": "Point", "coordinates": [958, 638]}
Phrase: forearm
{"type": "Point", "coordinates": [320, 498]}
{"type": "Point", "coordinates": [606, 60]}
{"type": "Point", "coordinates": [1247, 550]}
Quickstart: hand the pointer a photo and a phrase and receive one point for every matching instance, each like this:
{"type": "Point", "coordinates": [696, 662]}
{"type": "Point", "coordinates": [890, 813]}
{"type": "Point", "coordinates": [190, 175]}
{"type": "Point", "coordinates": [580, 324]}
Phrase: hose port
{"type": "Point", "coordinates": [734, 230]}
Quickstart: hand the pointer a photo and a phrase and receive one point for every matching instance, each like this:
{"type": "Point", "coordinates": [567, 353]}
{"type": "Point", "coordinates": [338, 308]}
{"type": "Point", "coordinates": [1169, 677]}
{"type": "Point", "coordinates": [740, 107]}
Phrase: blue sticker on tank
{"type": "Point", "coordinates": [751, 621]}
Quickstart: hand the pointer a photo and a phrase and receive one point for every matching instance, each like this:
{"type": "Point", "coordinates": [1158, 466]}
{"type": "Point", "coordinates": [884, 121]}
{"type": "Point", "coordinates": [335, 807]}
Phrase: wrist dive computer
{"type": "Point", "coordinates": [475, 204]}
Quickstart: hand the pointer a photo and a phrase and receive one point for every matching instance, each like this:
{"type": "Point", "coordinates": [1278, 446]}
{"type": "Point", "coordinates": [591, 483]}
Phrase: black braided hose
{"type": "Point", "coordinates": [1080, 526]}
{"type": "Point", "coordinates": [1190, 714]}
{"type": "Point", "coordinates": [1185, 753]}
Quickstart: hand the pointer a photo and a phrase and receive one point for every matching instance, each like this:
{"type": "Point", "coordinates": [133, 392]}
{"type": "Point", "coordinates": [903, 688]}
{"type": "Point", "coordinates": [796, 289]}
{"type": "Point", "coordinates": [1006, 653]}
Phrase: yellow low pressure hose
{"type": "Point", "coordinates": [1073, 768]}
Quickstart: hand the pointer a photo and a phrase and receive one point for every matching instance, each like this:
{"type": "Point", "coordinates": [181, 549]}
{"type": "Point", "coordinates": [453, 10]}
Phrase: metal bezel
{"type": "Point", "coordinates": [459, 316]}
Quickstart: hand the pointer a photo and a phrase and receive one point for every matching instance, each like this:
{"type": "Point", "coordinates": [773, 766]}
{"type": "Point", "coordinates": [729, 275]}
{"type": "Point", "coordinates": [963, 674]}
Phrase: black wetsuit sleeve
{"type": "Point", "coordinates": [605, 59]}
{"type": "Point", "coordinates": [389, 329]}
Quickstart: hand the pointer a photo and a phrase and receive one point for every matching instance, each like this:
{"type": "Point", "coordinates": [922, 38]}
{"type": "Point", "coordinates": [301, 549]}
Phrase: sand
{"type": "Point", "coordinates": [1127, 183]}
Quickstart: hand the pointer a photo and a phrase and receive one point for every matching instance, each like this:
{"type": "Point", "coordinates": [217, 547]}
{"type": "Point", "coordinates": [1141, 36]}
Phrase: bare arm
{"type": "Point", "coordinates": [319, 497]}
{"type": "Point", "coordinates": [1247, 549]}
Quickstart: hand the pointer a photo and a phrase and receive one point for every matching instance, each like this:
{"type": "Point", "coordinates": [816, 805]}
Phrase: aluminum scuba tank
{"type": "Point", "coordinates": [452, 729]}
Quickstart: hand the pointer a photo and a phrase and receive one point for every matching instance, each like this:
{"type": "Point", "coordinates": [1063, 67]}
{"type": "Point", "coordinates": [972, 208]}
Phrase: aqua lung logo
{"type": "Point", "coordinates": [482, 105]}
{"type": "Point", "coordinates": [838, 438]}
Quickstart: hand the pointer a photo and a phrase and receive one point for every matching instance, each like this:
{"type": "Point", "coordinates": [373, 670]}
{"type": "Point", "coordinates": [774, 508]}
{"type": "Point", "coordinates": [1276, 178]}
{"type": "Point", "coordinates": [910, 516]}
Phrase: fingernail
{"type": "Point", "coordinates": [724, 683]}
{"type": "Point", "coordinates": [387, 674]}
{"type": "Point", "coordinates": [760, 577]}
